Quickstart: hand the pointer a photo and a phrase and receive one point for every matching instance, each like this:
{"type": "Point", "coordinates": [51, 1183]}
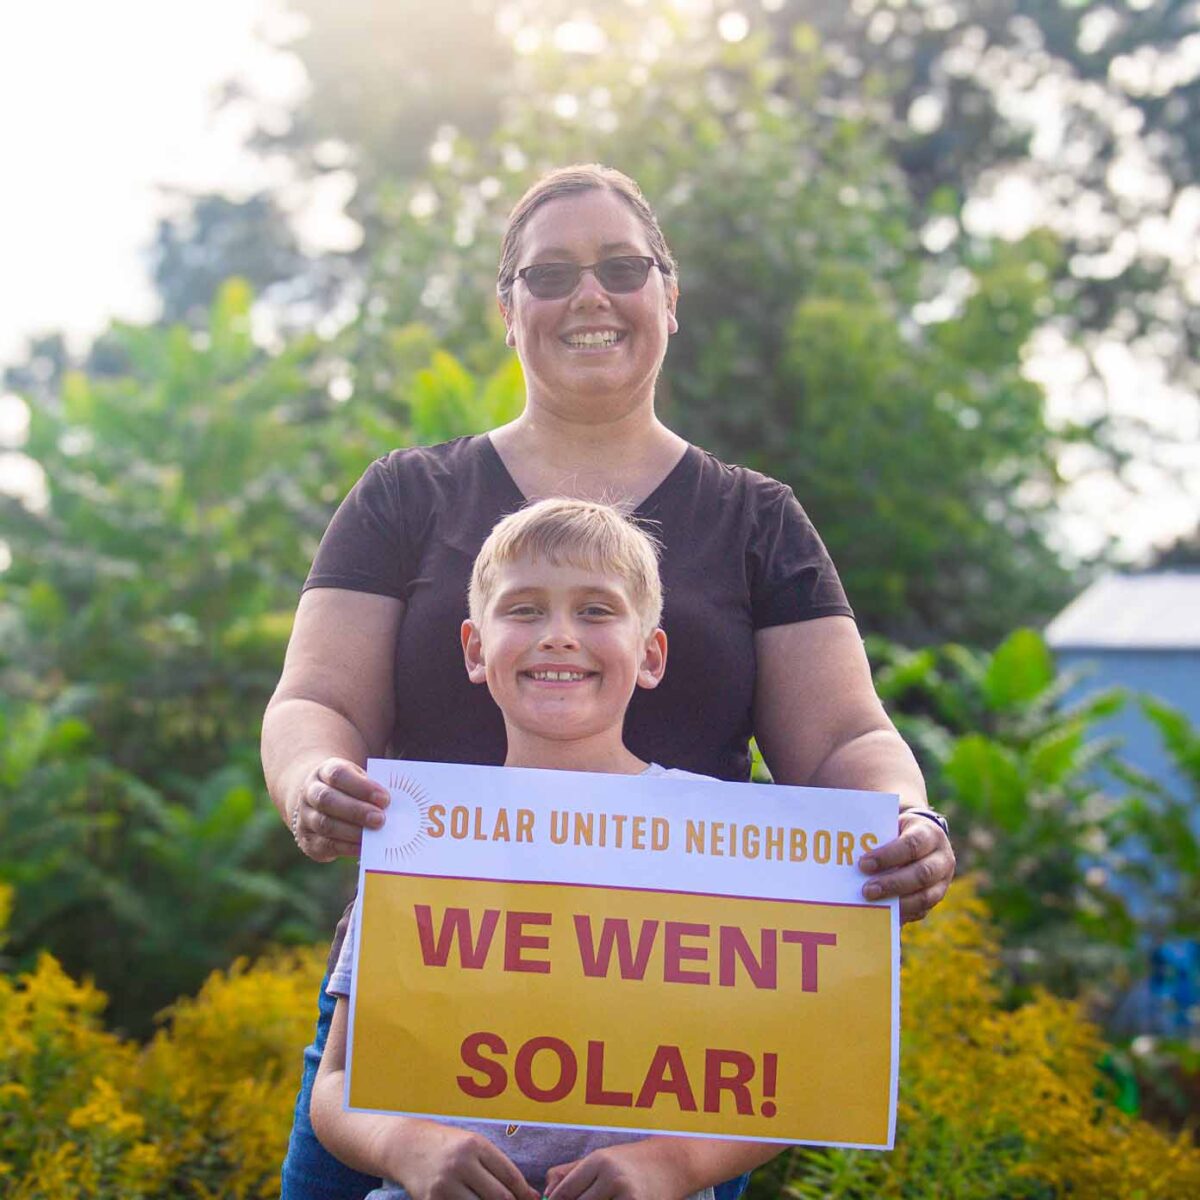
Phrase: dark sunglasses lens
{"type": "Point", "coordinates": [552, 280]}
{"type": "Point", "coordinates": [625, 274]}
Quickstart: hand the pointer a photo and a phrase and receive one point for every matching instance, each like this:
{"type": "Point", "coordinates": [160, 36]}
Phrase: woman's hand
{"type": "Point", "coordinates": [917, 866]}
{"type": "Point", "coordinates": [336, 801]}
{"type": "Point", "coordinates": [333, 709]}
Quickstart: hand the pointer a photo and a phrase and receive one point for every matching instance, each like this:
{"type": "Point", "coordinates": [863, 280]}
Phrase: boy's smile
{"type": "Point", "coordinates": [561, 648]}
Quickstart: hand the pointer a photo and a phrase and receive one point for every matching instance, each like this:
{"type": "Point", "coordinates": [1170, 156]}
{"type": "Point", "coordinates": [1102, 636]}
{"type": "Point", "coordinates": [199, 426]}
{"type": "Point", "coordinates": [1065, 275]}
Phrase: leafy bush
{"type": "Point", "coordinates": [1162, 824]}
{"type": "Point", "coordinates": [142, 626]}
{"type": "Point", "coordinates": [993, 1102]}
{"type": "Point", "coordinates": [1027, 785]}
{"type": "Point", "coordinates": [146, 891]}
{"type": "Point", "coordinates": [202, 1111]}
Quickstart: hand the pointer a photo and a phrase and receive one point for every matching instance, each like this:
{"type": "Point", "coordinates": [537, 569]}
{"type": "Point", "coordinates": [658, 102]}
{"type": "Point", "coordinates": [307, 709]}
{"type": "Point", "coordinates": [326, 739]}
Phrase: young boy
{"type": "Point", "coordinates": [564, 603]}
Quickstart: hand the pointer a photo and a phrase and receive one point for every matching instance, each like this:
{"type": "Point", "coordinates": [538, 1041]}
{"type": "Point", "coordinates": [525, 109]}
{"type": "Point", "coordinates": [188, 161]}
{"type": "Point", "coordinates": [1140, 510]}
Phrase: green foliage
{"type": "Point", "coordinates": [1160, 823]}
{"type": "Point", "coordinates": [146, 612]}
{"type": "Point", "coordinates": [202, 1111]}
{"type": "Point", "coordinates": [147, 607]}
{"type": "Point", "coordinates": [446, 400]}
{"type": "Point", "coordinates": [135, 888]}
{"type": "Point", "coordinates": [190, 472]}
{"type": "Point", "coordinates": [994, 1100]}
{"type": "Point", "coordinates": [977, 71]}
{"type": "Point", "coordinates": [916, 444]}
{"type": "Point", "coordinates": [1078, 870]}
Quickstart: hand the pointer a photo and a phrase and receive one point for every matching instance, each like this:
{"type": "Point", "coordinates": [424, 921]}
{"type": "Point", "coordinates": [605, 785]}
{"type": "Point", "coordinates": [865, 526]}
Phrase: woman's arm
{"type": "Point", "coordinates": [334, 707]}
{"type": "Point", "coordinates": [819, 723]}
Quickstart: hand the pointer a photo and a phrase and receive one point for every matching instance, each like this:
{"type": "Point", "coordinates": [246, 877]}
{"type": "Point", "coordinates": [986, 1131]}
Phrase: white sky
{"type": "Point", "coordinates": [102, 104]}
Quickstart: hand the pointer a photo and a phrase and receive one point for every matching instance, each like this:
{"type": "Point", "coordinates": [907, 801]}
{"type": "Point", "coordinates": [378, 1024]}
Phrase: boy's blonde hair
{"type": "Point", "coordinates": [578, 533]}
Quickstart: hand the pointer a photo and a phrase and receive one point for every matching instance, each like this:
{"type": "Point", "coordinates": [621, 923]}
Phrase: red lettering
{"type": "Point", "coordinates": [516, 941]}
{"type": "Point", "coordinates": [770, 1078]}
{"type": "Point", "coordinates": [675, 952]}
{"type": "Point", "coordinates": [667, 1076]}
{"type": "Point", "coordinates": [614, 932]}
{"type": "Point", "coordinates": [456, 925]}
{"type": "Point", "coordinates": [717, 1081]}
{"type": "Point", "coordinates": [568, 1069]}
{"type": "Point", "coordinates": [495, 1079]}
{"type": "Point", "coordinates": [596, 1093]}
{"type": "Point", "coordinates": [733, 944]}
{"type": "Point", "coordinates": [809, 944]}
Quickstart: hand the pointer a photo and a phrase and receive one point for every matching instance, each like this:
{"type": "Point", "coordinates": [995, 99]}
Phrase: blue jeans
{"type": "Point", "coordinates": [310, 1172]}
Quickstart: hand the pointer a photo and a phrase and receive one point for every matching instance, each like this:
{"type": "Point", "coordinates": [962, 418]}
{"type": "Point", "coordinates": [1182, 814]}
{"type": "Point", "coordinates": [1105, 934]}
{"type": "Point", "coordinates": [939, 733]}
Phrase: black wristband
{"type": "Point", "coordinates": [930, 815]}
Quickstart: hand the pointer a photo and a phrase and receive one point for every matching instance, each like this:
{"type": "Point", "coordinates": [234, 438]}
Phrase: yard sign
{"type": "Point", "coordinates": [626, 952]}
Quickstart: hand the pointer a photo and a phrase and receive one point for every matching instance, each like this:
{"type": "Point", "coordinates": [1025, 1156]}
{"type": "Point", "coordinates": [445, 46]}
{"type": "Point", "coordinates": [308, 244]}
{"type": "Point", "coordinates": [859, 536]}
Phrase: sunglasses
{"type": "Point", "coordinates": [624, 273]}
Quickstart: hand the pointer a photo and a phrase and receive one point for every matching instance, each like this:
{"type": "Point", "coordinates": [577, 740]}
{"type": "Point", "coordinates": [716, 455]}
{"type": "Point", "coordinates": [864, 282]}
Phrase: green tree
{"type": "Point", "coordinates": [144, 618]}
{"type": "Point", "coordinates": [216, 239]}
{"type": "Point", "coordinates": [145, 613]}
{"type": "Point", "coordinates": [917, 445]}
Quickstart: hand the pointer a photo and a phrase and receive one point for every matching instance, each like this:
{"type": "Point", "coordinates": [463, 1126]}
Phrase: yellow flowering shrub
{"type": "Point", "coordinates": [224, 1072]}
{"type": "Point", "coordinates": [202, 1111]}
{"type": "Point", "coordinates": [993, 1104]}
{"type": "Point", "coordinates": [996, 1103]}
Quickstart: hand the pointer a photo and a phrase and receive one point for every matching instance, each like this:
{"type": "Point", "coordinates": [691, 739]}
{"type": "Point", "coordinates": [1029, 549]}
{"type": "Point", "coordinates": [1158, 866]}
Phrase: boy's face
{"type": "Point", "coordinates": [561, 649]}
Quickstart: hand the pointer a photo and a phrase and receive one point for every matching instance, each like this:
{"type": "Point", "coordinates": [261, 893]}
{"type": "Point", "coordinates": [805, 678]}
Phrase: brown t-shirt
{"type": "Point", "coordinates": [738, 554]}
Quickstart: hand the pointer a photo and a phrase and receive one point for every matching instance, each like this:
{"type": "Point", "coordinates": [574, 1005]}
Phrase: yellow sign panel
{"type": "Point", "coordinates": [624, 1008]}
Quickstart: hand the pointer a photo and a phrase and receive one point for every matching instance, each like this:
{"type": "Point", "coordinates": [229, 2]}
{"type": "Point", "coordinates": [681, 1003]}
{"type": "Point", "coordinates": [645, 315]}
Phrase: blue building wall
{"type": "Point", "coordinates": [1169, 675]}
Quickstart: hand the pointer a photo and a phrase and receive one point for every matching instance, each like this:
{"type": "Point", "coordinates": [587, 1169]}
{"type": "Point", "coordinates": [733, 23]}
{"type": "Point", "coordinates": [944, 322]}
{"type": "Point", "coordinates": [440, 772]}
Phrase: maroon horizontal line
{"type": "Point", "coordinates": [616, 887]}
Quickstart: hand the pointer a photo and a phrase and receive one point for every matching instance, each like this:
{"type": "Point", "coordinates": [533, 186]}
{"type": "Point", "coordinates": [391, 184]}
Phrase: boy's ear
{"type": "Point", "coordinates": [473, 653]}
{"type": "Point", "coordinates": [650, 673]}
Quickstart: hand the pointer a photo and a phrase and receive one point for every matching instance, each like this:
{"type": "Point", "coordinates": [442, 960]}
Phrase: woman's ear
{"type": "Point", "coordinates": [672, 302]}
{"type": "Point", "coordinates": [473, 653]}
{"type": "Point", "coordinates": [654, 663]}
{"type": "Point", "coordinates": [509, 339]}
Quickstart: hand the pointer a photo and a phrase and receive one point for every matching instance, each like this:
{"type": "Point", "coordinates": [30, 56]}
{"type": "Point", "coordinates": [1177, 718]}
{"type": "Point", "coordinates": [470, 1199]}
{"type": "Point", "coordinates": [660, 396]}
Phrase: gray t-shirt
{"type": "Point", "coordinates": [534, 1149]}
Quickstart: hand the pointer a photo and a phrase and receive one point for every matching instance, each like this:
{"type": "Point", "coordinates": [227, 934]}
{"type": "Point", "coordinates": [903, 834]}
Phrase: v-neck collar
{"type": "Point", "coordinates": [501, 471]}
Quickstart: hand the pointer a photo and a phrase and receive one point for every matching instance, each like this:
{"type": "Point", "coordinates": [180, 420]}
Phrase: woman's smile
{"type": "Point", "coordinates": [593, 341]}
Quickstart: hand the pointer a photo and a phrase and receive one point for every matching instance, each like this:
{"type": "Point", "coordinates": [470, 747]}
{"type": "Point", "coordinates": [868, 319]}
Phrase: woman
{"type": "Point", "coordinates": [762, 640]}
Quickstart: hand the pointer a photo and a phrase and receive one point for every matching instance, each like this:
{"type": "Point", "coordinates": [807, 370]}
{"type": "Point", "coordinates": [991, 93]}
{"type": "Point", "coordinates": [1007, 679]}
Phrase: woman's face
{"type": "Point", "coordinates": [562, 371]}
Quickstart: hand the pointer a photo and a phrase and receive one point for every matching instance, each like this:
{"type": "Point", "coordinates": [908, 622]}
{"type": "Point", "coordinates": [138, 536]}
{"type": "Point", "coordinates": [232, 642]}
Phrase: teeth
{"type": "Point", "coordinates": [609, 338]}
{"type": "Point", "coordinates": [558, 676]}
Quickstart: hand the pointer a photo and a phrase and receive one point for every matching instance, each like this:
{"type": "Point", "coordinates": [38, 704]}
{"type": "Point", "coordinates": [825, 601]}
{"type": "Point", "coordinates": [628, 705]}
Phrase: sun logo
{"type": "Point", "coordinates": [407, 825]}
